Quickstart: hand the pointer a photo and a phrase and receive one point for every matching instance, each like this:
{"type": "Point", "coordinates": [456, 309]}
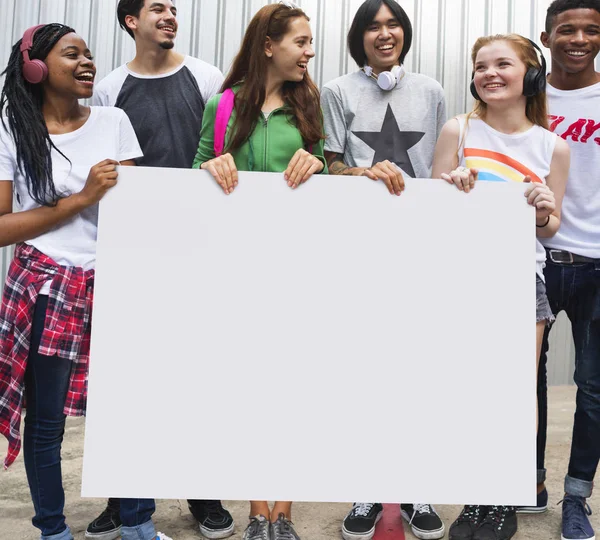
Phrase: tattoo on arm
{"type": "Point", "coordinates": [337, 166]}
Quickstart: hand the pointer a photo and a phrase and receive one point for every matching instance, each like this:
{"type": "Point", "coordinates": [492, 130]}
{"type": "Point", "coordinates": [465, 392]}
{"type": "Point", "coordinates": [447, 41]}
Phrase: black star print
{"type": "Point", "coordinates": [391, 143]}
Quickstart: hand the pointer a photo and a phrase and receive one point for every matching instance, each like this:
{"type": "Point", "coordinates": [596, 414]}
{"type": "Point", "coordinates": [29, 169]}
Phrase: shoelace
{"type": "Point", "coordinates": [257, 529]}
{"type": "Point", "coordinates": [469, 513]}
{"type": "Point", "coordinates": [362, 509]}
{"type": "Point", "coordinates": [420, 508]}
{"type": "Point", "coordinates": [283, 529]}
{"type": "Point", "coordinates": [423, 508]}
{"type": "Point", "coordinates": [495, 516]}
{"type": "Point", "coordinates": [573, 514]}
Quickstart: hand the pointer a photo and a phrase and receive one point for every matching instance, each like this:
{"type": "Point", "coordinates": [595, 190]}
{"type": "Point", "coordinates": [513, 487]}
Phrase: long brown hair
{"type": "Point", "coordinates": [250, 69]}
{"type": "Point", "coordinates": [536, 109]}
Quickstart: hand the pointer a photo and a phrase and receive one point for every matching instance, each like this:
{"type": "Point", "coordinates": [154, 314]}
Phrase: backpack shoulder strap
{"type": "Point", "coordinates": [224, 110]}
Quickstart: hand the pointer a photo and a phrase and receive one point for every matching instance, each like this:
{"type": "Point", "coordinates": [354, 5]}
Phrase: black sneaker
{"type": "Point", "coordinates": [214, 520]}
{"type": "Point", "coordinates": [107, 526]}
{"type": "Point", "coordinates": [467, 522]}
{"type": "Point", "coordinates": [360, 522]}
{"type": "Point", "coordinates": [540, 507]}
{"type": "Point", "coordinates": [423, 520]}
{"type": "Point", "coordinates": [500, 523]}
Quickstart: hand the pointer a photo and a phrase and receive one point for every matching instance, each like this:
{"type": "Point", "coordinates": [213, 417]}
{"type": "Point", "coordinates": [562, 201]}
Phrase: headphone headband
{"type": "Point", "coordinates": [27, 40]}
{"type": "Point", "coordinates": [541, 56]}
{"type": "Point", "coordinates": [34, 71]}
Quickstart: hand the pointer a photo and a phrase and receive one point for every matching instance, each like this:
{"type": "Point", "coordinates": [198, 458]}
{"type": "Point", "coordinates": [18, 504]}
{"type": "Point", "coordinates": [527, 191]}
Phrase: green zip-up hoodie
{"type": "Point", "coordinates": [269, 148]}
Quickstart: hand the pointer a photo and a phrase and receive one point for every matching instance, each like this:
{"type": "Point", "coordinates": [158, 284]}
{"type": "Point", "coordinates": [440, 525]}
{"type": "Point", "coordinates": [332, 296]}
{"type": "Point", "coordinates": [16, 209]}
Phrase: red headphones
{"type": "Point", "coordinates": [34, 71]}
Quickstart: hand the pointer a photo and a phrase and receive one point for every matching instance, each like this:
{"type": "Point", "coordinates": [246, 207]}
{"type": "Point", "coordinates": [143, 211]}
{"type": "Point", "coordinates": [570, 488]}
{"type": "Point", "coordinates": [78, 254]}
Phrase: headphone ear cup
{"type": "Point", "coordinates": [474, 91]}
{"type": "Point", "coordinates": [386, 80]}
{"type": "Point", "coordinates": [396, 72]}
{"type": "Point", "coordinates": [529, 83]}
{"type": "Point", "coordinates": [35, 71]}
{"type": "Point", "coordinates": [539, 82]}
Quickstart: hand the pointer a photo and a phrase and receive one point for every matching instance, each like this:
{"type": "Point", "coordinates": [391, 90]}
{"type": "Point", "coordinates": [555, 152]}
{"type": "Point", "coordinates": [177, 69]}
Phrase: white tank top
{"type": "Point", "coordinates": [507, 158]}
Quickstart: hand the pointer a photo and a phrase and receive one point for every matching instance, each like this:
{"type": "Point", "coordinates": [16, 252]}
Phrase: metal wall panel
{"type": "Point", "coordinates": [444, 31]}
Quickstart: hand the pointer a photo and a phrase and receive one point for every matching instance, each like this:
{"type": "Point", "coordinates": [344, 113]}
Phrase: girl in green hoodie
{"type": "Point", "coordinates": [276, 123]}
{"type": "Point", "coordinates": [275, 126]}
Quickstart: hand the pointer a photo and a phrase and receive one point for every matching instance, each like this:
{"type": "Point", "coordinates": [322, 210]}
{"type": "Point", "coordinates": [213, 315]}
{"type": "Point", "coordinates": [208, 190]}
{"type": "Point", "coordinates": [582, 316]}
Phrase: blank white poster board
{"type": "Point", "coordinates": [330, 343]}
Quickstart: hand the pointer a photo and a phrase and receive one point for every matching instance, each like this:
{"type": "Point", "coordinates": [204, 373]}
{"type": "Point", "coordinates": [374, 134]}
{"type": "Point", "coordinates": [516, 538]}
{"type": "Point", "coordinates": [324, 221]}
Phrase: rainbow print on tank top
{"type": "Point", "coordinates": [496, 167]}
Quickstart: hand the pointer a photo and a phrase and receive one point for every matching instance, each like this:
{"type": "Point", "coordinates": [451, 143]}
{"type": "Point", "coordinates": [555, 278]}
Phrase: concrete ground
{"type": "Point", "coordinates": [315, 521]}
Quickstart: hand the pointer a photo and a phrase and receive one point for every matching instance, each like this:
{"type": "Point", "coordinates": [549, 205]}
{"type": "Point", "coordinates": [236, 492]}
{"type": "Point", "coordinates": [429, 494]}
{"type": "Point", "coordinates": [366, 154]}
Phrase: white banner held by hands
{"type": "Point", "coordinates": [330, 343]}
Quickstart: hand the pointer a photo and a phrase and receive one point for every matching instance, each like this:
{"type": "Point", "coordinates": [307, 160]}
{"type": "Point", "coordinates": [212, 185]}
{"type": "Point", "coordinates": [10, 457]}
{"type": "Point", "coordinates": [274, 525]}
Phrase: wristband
{"type": "Point", "coordinates": [542, 226]}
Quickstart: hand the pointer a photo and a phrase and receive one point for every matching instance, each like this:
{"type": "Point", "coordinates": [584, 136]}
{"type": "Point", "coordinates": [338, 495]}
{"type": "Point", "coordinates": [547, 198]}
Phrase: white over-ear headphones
{"type": "Point", "coordinates": [387, 80]}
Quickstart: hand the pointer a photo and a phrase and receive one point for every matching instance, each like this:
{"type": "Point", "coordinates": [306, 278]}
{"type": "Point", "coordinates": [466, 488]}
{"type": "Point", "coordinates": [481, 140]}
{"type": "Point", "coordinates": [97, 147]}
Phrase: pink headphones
{"type": "Point", "coordinates": [34, 71]}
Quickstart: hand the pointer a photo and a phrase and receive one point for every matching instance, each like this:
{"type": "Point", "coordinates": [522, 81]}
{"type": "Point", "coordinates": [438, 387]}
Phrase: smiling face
{"type": "Point", "coordinates": [383, 41]}
{"type": "Point", "coordinates": [574, 41]}
{"type": "Point", "coordinates": [499, 73]}
{"type": "Point", "coordinates": [71, 69]}
{"type": "Point", "coordinates": [156, 23]}
{"type": "Point", "coordinates": [289, 57]}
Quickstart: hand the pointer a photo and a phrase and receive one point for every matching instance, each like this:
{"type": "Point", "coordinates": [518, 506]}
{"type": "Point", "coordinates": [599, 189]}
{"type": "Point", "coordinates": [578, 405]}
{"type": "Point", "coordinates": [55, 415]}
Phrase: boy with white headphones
{"type": "Point", "coordinates": [381, 121]}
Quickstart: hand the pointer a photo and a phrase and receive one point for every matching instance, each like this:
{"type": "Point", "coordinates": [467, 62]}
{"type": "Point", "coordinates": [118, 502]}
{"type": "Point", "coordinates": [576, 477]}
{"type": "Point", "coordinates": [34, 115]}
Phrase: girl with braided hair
{"type": "Point", "coordinates": [58, 158]}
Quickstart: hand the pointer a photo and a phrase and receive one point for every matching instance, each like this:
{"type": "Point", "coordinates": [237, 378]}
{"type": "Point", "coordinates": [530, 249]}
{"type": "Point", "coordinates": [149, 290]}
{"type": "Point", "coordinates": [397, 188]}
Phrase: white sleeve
{"type": "Point", "coordinates": [129, 147]}
{"type": "Point", "coordinates": [213, 85]}
{"type": "Point", "coordinates": [107, 90]}
{"type": "Point", "coordinates": [8, 163]}
{"type": "Point", "coordinates": [334, 121]}
{"type": "Point", "coordinates": [100, 96]}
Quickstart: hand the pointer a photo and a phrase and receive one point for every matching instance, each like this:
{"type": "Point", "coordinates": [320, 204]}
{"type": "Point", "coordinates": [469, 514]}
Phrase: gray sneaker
{"type": "Point", "coordinates": [259, 528]}
{"type": "Point", "coordinates": [283, 529]}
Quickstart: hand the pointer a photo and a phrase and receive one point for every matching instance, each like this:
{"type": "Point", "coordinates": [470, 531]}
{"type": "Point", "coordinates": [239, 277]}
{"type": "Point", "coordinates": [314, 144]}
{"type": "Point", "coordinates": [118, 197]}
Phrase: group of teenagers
{"type": "Point", "coordinates": [58, 158]}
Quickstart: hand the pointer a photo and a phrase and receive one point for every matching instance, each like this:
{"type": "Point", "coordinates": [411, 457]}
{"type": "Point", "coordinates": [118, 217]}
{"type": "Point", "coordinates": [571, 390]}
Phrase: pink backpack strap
{"type": "Point", "coordinates": [224, 110]}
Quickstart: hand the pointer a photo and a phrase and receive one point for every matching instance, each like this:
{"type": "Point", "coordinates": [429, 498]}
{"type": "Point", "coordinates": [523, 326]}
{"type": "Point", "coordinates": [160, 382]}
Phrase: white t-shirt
{"type": "Point", "coordinates": [502, 157]}
{"type": "Point", "coordinates": [106, 134]}
{"type": "Point", "coordinates": [575, 116]}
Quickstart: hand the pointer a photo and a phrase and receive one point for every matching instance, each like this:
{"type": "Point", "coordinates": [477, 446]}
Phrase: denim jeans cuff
{"type": "Point", "coordinates": [541, 476]}
{"type": "Point", "coordinates": [145, 531]}
{"type": "Point", "coordinates": [580, 488]}
{"type": "Point", "coordinates": [65, 535]}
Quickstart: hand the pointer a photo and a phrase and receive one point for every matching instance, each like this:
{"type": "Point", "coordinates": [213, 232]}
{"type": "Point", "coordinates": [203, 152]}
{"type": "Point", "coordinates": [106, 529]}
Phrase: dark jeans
{"type": "Point", "coordinates": [136, 517]}
{"type": "Point", "coordinates": [46, 385]}
{"type": "Point", "coordinates": [575, 288]}
{"type": "Point", "coordinates": [133, 512]}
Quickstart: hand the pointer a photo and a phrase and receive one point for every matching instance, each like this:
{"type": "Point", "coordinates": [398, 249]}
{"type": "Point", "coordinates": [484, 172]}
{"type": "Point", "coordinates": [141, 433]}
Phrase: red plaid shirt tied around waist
{"type": "Point", "coordinates": [66, 333]}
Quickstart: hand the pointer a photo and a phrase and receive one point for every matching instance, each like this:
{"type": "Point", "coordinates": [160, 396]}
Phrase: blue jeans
{"type": "Point", "coordinates": [46, 385]}
{"type": "Point", "coordinates": [575, 288]}
{"type": "Point", "coordinates": [136, 519]}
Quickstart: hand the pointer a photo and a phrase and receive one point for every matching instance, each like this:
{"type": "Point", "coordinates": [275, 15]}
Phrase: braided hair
{"type": "Point", "coordinates": [21, 102]}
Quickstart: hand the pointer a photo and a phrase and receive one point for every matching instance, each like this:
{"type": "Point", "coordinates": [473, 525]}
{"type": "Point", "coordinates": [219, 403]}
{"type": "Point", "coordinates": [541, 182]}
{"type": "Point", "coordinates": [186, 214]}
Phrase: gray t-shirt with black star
{"type": "Point", "coordinates": [368, 125]}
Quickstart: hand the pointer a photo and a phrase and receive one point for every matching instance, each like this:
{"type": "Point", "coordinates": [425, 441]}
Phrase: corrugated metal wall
{"type": "Point", "coordinates": [212, 30]}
